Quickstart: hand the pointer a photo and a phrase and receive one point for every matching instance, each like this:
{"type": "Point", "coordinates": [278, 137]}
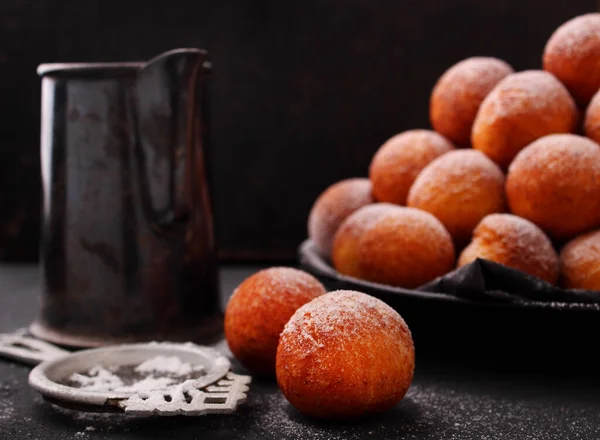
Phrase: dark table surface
{"type": "Point", "coordinates": [452, 397]}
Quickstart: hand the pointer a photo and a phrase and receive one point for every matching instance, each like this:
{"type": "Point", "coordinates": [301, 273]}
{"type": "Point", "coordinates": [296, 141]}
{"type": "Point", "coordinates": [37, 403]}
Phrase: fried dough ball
{"type": "Point", "coordinates": [459, 188]}
{"type": "Point", "coordinates": [523, 107]}
{"type": "Point", "coordinates": [405, 247]}
{"type": "Point", "coordinates": [580, 262]}
{"type": "Point", "coordinates": [572, 54]}
{"type": "Point", "coordinates": [555, 183]}
{"type": "Point", "coordinates": [398, 161]}
{"type": "Point", "coordinates": [345, 354]}
{"type": "Point", "coordinates": [333, 206]}
{"type": "Point", "coordinates": [345, 254]}
{"type": "Point", "coordinates": [258, 310]}
{"type": "Point", "coordinates": [459, 92]}
{"type": "Point", "coordinates": [592, 119]}
{"type": "Point", "coordinates": [513, 242]}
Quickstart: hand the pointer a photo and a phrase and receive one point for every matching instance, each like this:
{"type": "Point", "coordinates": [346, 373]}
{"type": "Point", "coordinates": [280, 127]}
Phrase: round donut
{"type": "Point", "coordinates": [399, 160]}
{"type": "Point", "coordinates": [459, 92]}
{"type": "Point", "coordinates": [343, 355]}
{"type": "Point", "coordinates": [513, 242]}
{"type": "Point", "coordinates": [572, 54]}
{"type": "Point", "coordinates": [333, 206]}
{"type": "Point", "coordinates": [406, 247]}
{"type": "Point", "coordinates": [523, 107]}
{"type": "Point", "coordinates": [555, 183]}
{"type": "Point", "coordinates": [592, 119]}
{"type": "Point", "coordinates": [459, 188]}
{"type": "Point", "coordinates": [258, 310]}
{"type": "Point", "coordinates": [580, 262]}
{"type": "Point", "coordinates": [345, 254]}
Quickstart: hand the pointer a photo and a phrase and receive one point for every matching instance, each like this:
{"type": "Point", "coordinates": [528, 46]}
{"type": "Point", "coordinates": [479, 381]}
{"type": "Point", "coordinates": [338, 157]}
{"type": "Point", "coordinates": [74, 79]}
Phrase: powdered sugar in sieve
{"type": "Point", "coordinates": [153, 378]}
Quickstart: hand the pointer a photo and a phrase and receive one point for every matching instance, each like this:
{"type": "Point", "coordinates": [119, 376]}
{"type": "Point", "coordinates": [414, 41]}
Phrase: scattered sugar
{"type": "Point", "coordinates": [331, 208]}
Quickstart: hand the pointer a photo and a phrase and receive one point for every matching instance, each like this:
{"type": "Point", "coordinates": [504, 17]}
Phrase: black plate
{"type": "Point", "coordinates": [482, 283]}
{"type": "Point", "coordinates": [484, 312]}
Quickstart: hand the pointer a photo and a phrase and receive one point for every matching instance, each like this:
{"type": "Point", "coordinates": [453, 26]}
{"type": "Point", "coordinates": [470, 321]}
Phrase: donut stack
{"type": "Point", "coordinates": [509, 172]}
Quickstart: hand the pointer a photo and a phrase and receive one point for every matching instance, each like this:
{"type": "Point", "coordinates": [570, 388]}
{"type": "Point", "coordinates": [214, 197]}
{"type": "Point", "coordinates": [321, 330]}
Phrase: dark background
{"type": "Point", "coordinates": [303, 92]}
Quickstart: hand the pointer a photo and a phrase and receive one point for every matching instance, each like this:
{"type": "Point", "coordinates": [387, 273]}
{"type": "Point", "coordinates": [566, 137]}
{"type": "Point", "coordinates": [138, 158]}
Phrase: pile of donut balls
{"type": "Point", "coordinates": [509, 173]}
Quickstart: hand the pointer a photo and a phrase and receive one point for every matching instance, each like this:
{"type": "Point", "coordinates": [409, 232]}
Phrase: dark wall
{"type": "Point", "coordinates": [303, 92]}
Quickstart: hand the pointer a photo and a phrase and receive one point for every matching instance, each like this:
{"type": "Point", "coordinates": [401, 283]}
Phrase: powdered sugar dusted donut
{"type": "Point", "coordinates": [345, 354]}
{"type": "Point", "coordinates": [580, 262]}
{"type": "Point", "coordinates": [405, 247]}
{"type": "Point", "coordinates": [258, 310]}
{"type": "Point", "coordinates": [592, 119]}
{"type": "Point", "coordinates": [573, 54]}
{"type": "Point", "coordinates": [459, 92]}
{"type": "Point", "coordinates": [523, 107]}
{"type": "Point", "coordinates": [459, 188]}
{"type": "Point", "coordinates": [513, 242]}
{"type": "Point", "coordinates": [555, 183]}
{"type": "Point", "coordinates": [345, 254]}
{"type": "Point", "coordinates": [333, 206]}
{"type": "Point", "coordinates": [400, 159]}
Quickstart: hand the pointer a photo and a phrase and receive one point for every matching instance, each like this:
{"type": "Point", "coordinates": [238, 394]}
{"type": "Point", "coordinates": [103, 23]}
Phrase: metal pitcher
{"type": "Point", "coordinates": [128, 250]}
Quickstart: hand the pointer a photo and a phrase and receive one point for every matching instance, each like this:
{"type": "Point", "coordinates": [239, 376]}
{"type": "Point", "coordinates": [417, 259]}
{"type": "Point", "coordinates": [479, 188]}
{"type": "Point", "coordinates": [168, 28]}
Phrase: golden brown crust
{"type": "Point", "coordinates": [345, 354]}
{"type": "Point", "coordinates": [400, 159]}
{"type": "Point", "coordinates": [573, 54]}
{"type": "Point", "coordinates": [258, 311]}
{"type": "Point", "coordinates": [459, 188]}
{"type": "Point", "coordinates": [333, 206]}
{"type": "Point", "coordinates": [592, 119]}
{"type": "Point", "coordinates": [345, 253]}
{"type": "Point", "coordinates": [580, 262]}
{"type": "Point", "coordinates": [459, 92]}
{"type": "Point", "coordinates": [523, 107]}
{"type": "Point", "coordinates": [406, 248]}
{"type": "Point", "coordinates": [555, 183]}
{"type": "Point", "coordinates": [513, 242]}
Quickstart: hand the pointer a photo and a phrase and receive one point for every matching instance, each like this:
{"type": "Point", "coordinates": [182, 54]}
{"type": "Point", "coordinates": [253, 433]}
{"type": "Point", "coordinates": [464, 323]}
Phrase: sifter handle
{"type": "Point", "coordinates": [26, 349]}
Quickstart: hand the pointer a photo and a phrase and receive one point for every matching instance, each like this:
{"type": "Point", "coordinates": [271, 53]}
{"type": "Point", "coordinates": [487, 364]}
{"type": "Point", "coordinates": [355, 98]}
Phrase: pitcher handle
{"type": "Point", "coordinates": [165, 112]}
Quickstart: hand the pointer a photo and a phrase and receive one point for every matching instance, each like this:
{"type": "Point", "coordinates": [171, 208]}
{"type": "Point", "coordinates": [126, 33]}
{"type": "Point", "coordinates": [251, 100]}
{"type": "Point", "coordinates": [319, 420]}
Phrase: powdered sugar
{"type": "Point", "coordinates": [356, 223]}
{"type": "Point", "coordinates": [279, 284]}
{"type": "Point", "coordinates": [335, 317]}
{"type": "Point", "coordinates": [573, 37]}
{"type": "Point", "coordinates": [475, 76]}
{"type": "Point", "coordinates": [168, 364]}
{"type": "Point", "coordinates": [461, 176]}
{"type": "Point", "coordinates": [156, 373]}
{"type": "Point", "coordinates": [514, 242]}
{"type": "Point", "coordinates": [531, 92]}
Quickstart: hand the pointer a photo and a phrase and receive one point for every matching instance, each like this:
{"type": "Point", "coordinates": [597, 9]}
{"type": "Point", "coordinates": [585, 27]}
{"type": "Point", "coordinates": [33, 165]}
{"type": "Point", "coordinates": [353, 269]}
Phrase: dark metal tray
{"type": "Point", "coordinates": [482, 283]}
